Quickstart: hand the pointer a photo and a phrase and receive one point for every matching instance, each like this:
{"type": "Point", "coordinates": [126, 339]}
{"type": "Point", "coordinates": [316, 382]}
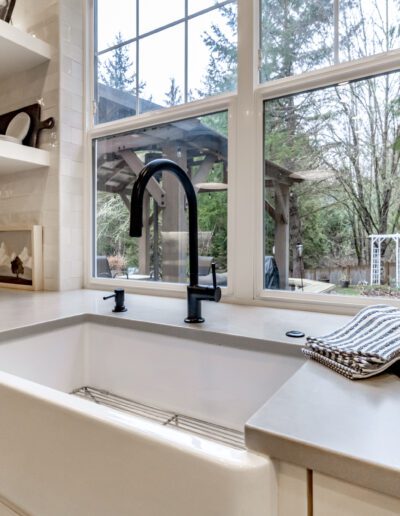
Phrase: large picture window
{"type": "Point", "coordinates": [310, 91]}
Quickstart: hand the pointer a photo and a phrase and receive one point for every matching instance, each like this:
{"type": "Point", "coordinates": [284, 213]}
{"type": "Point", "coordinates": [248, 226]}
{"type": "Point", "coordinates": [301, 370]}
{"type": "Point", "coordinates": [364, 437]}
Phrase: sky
{"type": "Point", "coordinates": [161, 55]}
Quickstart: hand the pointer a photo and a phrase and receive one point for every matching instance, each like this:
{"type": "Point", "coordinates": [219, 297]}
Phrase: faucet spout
{"type": "Point", "coordinates": [196, 293]}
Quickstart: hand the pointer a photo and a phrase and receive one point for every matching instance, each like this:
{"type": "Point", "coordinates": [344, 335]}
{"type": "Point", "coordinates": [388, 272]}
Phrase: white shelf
{"type": "Point", "coordinates": [17, 158]}
{"type": "Point", "coordinates": [20, 51]}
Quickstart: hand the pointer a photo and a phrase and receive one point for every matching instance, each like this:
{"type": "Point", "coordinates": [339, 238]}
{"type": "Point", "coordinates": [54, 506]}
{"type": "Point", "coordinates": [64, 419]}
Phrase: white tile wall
{"type": "Point", "coordinates": [71, 144]}
{"type": "Point", "coordinates": [52, 197]}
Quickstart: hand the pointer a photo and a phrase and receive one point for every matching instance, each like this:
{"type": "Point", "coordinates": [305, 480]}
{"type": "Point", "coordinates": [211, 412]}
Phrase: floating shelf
{"type": "Point", "coordinates": [20, 51]}
{"type": "Point", "coordinates": [17, 158]}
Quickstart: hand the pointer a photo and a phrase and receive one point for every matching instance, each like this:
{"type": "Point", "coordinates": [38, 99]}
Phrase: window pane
{"type": "Point", "coordinates": [116, 84]}
{"type": "Point", "coordinates": [331, 181]}
{"type": "Point", "coordinates": [199, 5]}
{"type": "Point", "coordinates": [154, 14]}
{"type": "Point", "coordinates": [162, 62]}
{"type": "Point", "coordinates": [296, 36]}
{"type": "Point", "coordinates": [199, 145]}
{"type": "Point", "coordinates": [116, 22]}
{"type": "Point", "coordinates": [212, 50]}
{"type": "Point", "coordinates": [210, 55]}
{"type": "Point", "coordinates": [368, 27]}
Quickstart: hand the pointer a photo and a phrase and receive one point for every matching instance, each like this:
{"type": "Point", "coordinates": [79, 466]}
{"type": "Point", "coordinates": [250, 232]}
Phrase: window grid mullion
{"type": "Point", "coordinates": [137, 57]}
{"type": "Point", "coordinates": [336, 31]}
{"type": "Point", "coordinates": [186, 71]}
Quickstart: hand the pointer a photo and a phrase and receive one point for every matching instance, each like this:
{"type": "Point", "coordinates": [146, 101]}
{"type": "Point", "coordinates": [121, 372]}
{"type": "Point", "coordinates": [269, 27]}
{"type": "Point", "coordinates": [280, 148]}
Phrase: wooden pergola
{"type": "Point", "coordinates": [196, 148]}
{"type": "Point", "coordinates": [191, 144]}
{"type": "Point", "coordinates": [280, 180]}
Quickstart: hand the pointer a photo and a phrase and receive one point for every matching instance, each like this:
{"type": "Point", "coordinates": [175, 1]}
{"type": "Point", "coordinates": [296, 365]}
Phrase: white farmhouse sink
{"type": "Point", "coordinates": [62, 455]}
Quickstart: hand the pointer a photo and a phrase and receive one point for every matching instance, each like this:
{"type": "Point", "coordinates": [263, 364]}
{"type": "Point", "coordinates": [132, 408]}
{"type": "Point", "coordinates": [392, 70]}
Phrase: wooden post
{"type": "Point", "coordinates": [144, 241]}
{"type": "Point", "coordinates": [174, 223]}
{"type": "Point", "coordinates": [282, 233]}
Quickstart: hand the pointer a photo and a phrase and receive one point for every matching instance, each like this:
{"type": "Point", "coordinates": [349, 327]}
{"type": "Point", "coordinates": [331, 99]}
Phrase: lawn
{"type": "Point", "coordinates": [350, 291]}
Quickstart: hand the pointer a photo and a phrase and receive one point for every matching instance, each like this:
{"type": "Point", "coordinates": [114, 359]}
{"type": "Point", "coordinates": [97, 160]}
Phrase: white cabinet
{"type": "Point", "coordinates": [332, 497]}
{"type": "Point", "coordinates": [292, 489]}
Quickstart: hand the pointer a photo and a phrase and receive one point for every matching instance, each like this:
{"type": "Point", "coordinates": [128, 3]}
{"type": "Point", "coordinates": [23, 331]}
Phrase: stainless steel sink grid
{"type": "Point", "coordinates": [195, 426]}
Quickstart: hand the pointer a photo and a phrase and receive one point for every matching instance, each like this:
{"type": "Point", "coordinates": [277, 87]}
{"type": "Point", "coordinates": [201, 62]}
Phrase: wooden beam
{"type": "Point", "coordinates": [278, 173]}
{"type": "Point", "coordinates": [126, 200]}
{"type": "Point", "coordinates": [282, 200]}
{"type": "Point", "coordinates": [204, 169]}
{"type": "Point", "coordinates": [174, 222]}
{"type": "Point", "coordinates": [102, 181]}
{"type": "Point", "coordinates": [282, 232]}
{"type": "Point", "coordinates": [270, 210]}
{"type": "Point", "coordinates": [136, 165]}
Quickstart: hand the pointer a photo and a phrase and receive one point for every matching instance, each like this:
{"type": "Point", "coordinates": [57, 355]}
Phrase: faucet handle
{"type": "Point", "coordinates": [214, 274]}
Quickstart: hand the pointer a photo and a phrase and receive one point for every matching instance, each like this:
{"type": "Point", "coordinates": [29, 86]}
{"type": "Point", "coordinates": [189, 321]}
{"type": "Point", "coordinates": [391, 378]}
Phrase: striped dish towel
{"type": "Point", "coordinates": [366, 346]}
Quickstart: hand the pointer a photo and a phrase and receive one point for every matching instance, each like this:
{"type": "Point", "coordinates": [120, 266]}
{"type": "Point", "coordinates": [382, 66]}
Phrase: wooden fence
{"type": "Point", "coordinates": [355, 273]}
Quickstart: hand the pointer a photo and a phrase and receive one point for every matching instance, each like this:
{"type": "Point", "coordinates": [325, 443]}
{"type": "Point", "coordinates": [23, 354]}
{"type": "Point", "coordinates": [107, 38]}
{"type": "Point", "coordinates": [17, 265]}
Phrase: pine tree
{"type": "Point", "coordinates": [173, 96]}
{"type": "Point", "coordinates": [117, 71]}
{"type": "Point", "coordinates": [222, 65]}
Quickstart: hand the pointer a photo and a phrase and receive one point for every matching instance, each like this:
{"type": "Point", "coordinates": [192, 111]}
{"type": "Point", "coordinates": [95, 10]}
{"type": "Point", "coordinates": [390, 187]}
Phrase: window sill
{"type": "Point", "coordinates": [322, 303]}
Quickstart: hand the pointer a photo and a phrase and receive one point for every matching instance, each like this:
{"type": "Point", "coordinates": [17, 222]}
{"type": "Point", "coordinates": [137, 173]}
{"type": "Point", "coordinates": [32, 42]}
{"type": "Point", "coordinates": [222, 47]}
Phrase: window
{"type": "Point", "coordinates": [332, 181]}
{"type": "Point", "coordinates": [151, 55]}
{"type": "Point", "coordinates": [199, 145]}
{"type": "Point", "coordinates": [302, 35]}
{"type": "Point", "coordinates": [314, 155]}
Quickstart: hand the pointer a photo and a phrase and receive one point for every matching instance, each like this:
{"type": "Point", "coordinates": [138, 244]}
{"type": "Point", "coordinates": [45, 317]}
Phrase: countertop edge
{"type": "Point", "coordinates": [372, 476]}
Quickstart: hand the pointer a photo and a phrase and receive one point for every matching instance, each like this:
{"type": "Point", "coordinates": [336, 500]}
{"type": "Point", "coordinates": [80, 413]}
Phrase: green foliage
{"type": "Point", "coordinates": [212, 213]}
{"type": "Point", "coordinates": [222, 66]}
{"type": "Point", "coordinates": [295, 36]}
{"type": "Point", "coordinates": [217, 121]}
{"type": "Point", "coordinates": [113, 229]}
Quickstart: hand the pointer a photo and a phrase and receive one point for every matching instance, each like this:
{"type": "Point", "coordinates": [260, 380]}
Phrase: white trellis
{"type": "Point", "coordinates": [376, 258]}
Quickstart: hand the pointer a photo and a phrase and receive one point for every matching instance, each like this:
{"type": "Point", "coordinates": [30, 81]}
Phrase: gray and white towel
{"type": "Point", "coordinates": [366, 346]}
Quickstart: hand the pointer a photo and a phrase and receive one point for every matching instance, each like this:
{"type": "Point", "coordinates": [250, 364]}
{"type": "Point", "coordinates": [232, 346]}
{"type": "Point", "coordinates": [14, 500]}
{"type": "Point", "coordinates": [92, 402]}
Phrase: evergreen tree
{"type": "Point", "coordinates": [117, 71]}
{"type": "Point", "coordinates": [296, 36]}
{"type": "Point", "coordinates": [173, 96]}
{"type": "Point", "coordinates": [222, 46]}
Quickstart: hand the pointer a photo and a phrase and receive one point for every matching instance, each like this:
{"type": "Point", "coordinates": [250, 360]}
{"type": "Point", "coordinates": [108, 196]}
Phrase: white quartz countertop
{"type": "Point", "coordinates": [318, 419]}
{"type": "Point", "coordinates": [22, 308]}
{"type": "Point", "coordinates": [344, 428]}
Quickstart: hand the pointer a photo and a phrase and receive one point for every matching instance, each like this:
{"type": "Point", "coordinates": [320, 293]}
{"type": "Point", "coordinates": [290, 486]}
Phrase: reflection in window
{"type": "Point", "coordinates": [114, 19]}
{"type": "Point", "coordinates": [198, 145]}
{"type": "Point", "coordinates": [165, 70]}
{"type": "Point", "coordinates": [212, 53]}
{"type": "Point", "coordinates": [302, 35]}
{"type": "Point", "coordinates": [332, 179]}
{"type": "Point", "coordinates": [116, 83]}
{"type": "Point", "coordinates": [161, 70]}
{"type": "Point", "coordinates": [154, 14]}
